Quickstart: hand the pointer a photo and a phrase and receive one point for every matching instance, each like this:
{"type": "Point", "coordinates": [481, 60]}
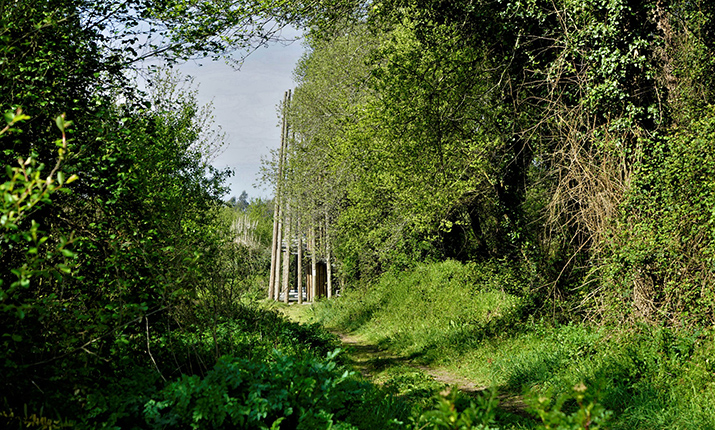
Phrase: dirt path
{"type": "Point", "coordinates": [370, 359]}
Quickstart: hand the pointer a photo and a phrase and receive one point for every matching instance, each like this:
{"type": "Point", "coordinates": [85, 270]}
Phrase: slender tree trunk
{"type": "Point", "coordinates": [276, 243]}
{"type": "Point", "coordinates": [286, 257]}
{"type": "Point", "coordinates": [274, 246]}
{"type": "Point", "coordinates": [277, 276]}
{"type": "Point", "coordinates": [299, 267]}
{"type": "Point", "coordinates": [313, 265]}
{"type": "Point", "coordinates": [328, 263]}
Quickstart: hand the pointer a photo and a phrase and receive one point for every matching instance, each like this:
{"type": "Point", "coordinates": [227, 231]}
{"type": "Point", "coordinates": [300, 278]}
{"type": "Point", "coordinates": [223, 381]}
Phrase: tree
{"type": "Point", "coordinates": [537, 132]}
{"type": "Point", "coordinates": [144, 216]}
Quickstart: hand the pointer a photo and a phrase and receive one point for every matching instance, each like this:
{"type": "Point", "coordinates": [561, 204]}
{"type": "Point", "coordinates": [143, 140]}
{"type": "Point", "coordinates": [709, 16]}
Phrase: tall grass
{"type": "Point", "coordinates": [476, 321]}
{"type": "Point", "coordinates": [432, 306]}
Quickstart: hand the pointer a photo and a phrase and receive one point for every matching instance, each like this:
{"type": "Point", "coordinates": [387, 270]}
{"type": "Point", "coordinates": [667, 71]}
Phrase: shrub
{"type": "Point", "coordinates": [286, 392]}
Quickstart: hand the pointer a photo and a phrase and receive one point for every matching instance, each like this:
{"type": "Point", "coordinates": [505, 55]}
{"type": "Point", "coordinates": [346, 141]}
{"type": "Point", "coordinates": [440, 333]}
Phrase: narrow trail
{"type": "Point", "coordinates": [370, 359]}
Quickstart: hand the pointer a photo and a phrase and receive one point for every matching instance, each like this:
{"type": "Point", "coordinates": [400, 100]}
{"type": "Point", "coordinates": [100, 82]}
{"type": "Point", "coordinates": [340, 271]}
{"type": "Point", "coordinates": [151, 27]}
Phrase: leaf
{"type": "Point", "coordinates": [62, 124]}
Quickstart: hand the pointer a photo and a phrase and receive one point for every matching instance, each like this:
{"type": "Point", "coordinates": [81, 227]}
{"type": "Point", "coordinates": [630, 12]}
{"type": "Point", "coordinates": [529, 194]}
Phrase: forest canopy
{"type": "Point", "coordinates": [568, 138]}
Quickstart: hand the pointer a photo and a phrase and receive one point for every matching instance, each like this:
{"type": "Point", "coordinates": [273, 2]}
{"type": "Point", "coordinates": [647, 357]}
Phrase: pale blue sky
{"type": "Point", "coordinates": [245, 106]}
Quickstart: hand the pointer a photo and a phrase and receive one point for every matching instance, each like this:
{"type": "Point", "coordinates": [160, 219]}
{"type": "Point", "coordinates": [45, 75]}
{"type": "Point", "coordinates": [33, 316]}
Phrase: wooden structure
{"type": "Point", "coordinates": [297, 274]}
{"type": "Point", "coordinates": [320, 279]}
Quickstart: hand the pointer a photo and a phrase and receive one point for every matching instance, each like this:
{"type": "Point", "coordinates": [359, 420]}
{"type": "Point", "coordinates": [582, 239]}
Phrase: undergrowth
{"type": "Point", "coordinates": [256, 369]}
{"type": "Point", "coordinates": [472, 320]}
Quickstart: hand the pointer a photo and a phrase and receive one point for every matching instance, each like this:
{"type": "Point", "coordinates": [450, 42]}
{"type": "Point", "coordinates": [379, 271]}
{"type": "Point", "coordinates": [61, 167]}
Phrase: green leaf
{"type": "Point", "coordinates": [62, 124]}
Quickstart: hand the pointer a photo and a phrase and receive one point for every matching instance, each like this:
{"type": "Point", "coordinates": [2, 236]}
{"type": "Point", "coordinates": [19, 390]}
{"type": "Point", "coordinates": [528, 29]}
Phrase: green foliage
{"type": "Point", "coordinates": [286, 392]}
{"type": "Point", "coordinates": [588, 413]}
{"type": "Point", "coordinates": [458, 305]}
{"type": "Point", "coordinates": [628, 373]}
{"type": "Point", "coordinates": [118, 398]}
{"type": "Point", "coordinates": [11, 420]}
{"type": "Point", "coordinates": [26, 190]}
{"type": "Point", "coordinates": [247, 257]}
{"type": "Point", "coordinates": [93, 330]}
{"type": "Point", "coordinates": [142, 219]}
{"type": "Point", "coordinates": [407, 382]}
{"type": "Point", "coordinates": [557, 135]}
{"type": "Point", "coordinates": [577, 410]}
{"type": "Point", "coordinates": [479, 415]}
{"type": "Point", "coordinates": [649, 377]}
{"type": "Point", "coordinates": [397, 130]}
{"type": "Point", "coordinates": [504, 152]}
{"type": "Point", "coordinates": [249, 332]}
{"type": "Point", "coordinates": [663, 260]}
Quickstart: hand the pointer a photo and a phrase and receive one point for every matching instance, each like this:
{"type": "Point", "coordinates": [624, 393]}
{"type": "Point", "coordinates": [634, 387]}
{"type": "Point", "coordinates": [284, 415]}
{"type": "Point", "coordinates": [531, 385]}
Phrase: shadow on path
{"type": "Point", "coordinates": [369, 359]}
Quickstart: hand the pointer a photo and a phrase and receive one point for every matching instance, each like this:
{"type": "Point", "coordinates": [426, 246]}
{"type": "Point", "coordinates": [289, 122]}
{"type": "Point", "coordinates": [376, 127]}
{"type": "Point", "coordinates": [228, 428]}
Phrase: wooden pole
{"type": "Point", "coordinates": [272, 278]}
{"type": "Point", "coordinates": [281, 198]}
{"type": "Point", "coordinates": [287, 209]}
{"type": "Point", "coordinates": [308, 276]}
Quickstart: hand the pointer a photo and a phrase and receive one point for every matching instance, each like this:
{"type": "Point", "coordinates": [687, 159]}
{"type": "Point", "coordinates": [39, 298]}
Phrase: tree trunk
{"type": "Point", "coordinates": [286, 257]}
{"type": "Point", "coordinates": [299, 267]}
{"type": "Point", "coordinates": [328, 263]}
{"type": "Point", "coordinates": [273, 283]}
{"type": "Point", "coordinates": [313, 265]}
{"type": "Point", "coordinates": [277, 276]}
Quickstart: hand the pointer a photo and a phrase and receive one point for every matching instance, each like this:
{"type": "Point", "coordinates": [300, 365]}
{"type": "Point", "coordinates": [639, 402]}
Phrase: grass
{"type": "Point", "coordinates": [473, 321]}
{"type": "Point", "coordinates": [302, 314]}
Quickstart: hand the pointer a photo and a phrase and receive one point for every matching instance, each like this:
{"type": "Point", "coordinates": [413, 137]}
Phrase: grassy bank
{"type": "Point", "coordinates": [476, 321]}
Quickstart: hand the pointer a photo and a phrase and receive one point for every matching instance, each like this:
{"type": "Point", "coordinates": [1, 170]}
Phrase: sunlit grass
{"type": "Point", "coordinates": [462, 318]}
{"type": "Point", "coordinates": [297, 313]}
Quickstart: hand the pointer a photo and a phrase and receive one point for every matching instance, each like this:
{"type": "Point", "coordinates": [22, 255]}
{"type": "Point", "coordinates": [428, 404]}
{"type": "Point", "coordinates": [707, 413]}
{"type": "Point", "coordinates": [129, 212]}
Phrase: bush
{"type": "Point", "coordinates": [286, 393]}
